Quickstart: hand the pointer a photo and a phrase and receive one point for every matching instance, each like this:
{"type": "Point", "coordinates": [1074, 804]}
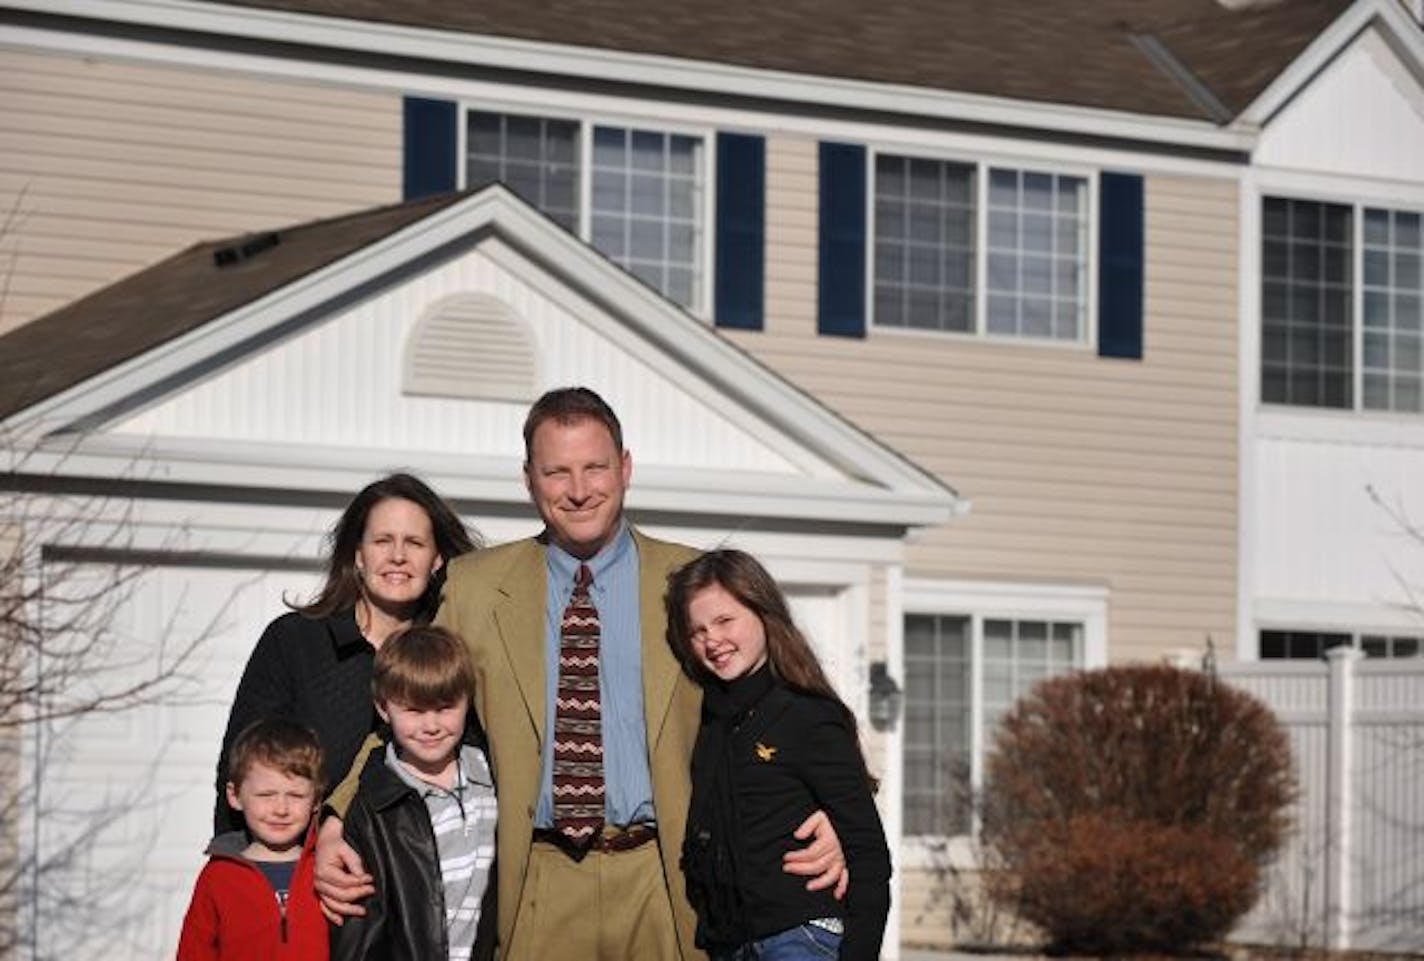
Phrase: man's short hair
{"type": "Point", "coordinates": [422, 667]}
{"type": "Point", "coordinates": [568, 405]}
{"type": "Point", "coordinates": [281, 744]}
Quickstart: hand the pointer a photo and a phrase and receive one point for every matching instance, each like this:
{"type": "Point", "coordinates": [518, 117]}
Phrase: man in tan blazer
{"type": "Point", "coordinates": [624, 898]}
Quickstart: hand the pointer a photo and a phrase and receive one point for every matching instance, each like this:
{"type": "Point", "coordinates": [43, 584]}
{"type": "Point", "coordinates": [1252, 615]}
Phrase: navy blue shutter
{"type": "Point", "coordinates": [430, 139]}
{"type": "Point", "coordinates": [1120, 235]}
{"type": "Point", "coordinates": [841, 306]}
{"type": "Point", "coordinates": [741, 230]}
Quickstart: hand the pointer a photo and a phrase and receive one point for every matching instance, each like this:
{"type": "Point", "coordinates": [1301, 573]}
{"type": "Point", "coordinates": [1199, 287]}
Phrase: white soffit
{"type": "Point", "coordinates": [712, 430]}
{"type": "Point", "coordinates": [1362, 117]}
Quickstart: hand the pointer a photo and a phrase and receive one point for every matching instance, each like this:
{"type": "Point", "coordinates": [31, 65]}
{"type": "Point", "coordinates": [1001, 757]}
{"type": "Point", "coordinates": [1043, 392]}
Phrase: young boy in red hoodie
{"type": "Point", "coordinates": [254, 901]}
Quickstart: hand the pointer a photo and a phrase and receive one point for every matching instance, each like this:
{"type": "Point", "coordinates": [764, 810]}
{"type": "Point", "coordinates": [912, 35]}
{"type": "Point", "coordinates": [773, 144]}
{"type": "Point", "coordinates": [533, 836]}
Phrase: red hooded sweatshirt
{"type": "Point", "coordinates": [235, 914]}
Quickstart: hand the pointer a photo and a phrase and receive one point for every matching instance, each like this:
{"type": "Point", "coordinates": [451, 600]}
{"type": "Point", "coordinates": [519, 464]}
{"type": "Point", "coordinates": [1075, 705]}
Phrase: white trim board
{"type": "Point", "coordinates": [1087, 603]}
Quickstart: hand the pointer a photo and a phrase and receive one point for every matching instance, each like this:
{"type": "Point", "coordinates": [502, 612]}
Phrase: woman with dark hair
{"type": "Point", "coordinates": [775, 744]}
{"type": "Point", "coordinates": [313, 664]}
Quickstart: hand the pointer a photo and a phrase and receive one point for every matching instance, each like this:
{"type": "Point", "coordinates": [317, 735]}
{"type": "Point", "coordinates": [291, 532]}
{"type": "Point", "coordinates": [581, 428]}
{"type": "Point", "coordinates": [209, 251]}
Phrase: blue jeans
{"type": "Point", "coordinates": [805, 942]}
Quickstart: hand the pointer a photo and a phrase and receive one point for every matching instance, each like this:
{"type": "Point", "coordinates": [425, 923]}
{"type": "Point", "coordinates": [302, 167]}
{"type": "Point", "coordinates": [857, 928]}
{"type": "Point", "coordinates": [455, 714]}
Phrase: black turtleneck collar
{"type": "Point", "coordinates": [725, 699]}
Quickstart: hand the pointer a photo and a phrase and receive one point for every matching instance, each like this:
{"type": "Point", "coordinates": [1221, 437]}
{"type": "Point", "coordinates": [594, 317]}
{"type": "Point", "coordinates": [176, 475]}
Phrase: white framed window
{"type": "Point", "coordinates": [979, 248]}
{"type": "Point", "coordinates": [963, 673]}
{"type": "Point", "coordinates": [536, 157]}
{"type": "Point", "coordinates": [639, 195]}
{"type": "Point", "coordinates": [970, 651]}
{"type": "Point", "coordinates": [1391, 361]}
{"type": "Point", "coordinates": [1342, 325]}
{"type": "Point", "coordinates": [647, 205]}
{"type": "Point", "coordinates": [1297, 645]}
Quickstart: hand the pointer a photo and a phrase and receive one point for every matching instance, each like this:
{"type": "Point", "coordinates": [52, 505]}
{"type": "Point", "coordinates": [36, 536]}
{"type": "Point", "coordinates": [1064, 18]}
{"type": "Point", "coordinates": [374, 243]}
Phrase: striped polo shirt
{"type": "Point", "coordinates": [463, 820]}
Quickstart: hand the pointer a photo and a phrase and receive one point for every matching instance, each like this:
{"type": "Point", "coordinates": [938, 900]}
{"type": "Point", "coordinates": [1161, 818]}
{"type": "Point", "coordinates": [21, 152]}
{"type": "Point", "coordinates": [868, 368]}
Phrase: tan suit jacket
{"type": "Point", "coordinates": [495, 600]}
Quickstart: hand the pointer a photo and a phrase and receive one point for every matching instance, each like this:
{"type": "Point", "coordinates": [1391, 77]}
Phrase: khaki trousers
{"type": "Point", "coordinates": [610, 906]}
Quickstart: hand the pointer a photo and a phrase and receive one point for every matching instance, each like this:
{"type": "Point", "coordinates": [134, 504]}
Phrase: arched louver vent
{"type": "Point", "coordinates": [471, 346]}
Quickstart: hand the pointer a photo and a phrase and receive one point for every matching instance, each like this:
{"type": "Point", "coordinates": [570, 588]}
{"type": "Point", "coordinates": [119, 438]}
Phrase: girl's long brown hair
{"type": "Point", "coordinates": [788, 652]}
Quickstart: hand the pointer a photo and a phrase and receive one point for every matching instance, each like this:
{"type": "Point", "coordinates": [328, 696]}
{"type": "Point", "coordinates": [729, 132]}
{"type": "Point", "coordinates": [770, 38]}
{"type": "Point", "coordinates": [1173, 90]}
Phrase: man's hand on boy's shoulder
{"type": "Point", "coordinates": [341, 878]}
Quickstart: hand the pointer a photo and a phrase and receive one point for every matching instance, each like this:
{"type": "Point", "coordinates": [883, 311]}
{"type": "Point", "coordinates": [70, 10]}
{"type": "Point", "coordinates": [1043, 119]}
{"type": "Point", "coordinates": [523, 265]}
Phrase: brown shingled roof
{"type": "Point", "coordinates": [1072, 53]}
{"type": "Point", "coordinates": [178, 295]}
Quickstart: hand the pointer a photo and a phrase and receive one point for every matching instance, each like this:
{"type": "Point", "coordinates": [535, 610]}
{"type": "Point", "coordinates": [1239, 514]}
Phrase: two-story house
{"type": "Point", "coordinates": [1020, 340]}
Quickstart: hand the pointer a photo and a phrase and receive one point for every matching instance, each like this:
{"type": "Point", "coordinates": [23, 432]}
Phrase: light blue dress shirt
{"type": "Point", "coordinates": [628, 783]}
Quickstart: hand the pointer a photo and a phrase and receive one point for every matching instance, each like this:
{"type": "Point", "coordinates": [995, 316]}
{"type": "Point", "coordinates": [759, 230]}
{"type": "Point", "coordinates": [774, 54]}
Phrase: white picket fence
{"type": "Point", "coordinates": [1352, 875]}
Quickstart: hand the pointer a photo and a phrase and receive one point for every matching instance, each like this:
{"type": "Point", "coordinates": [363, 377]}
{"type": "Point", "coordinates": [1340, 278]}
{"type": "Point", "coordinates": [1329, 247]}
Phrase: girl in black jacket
{"type": "Point", "coordinates": [775, 744]}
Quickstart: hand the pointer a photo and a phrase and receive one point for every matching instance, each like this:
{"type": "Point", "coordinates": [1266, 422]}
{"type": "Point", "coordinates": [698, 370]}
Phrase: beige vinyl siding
{"type": "Point", "coordinates": [926, 906]}
{"type": "Point", "coordinates": [791, 242]}
{"type": "Point", "coordinates": [1080, 469]}
{"type": "Point", "coordinates": [109, 166]}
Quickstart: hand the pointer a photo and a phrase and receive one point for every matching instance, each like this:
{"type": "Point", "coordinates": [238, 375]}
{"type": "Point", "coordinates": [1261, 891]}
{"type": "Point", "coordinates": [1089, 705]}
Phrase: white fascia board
{"type": "Point", "coordinates": [1403, 33]}
{"type": "Point", "coordinates": [650, 69]}
{"type": "Point", "coordinates": [1335, 187]}
{"type": "Point", "coordinates": [729, 494]}
{"type": "Point", "coordinates": [1324, 614]}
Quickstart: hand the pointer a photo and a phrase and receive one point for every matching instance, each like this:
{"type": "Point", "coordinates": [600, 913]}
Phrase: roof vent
{"type": "Point", "coordinates": [471, 346]}
{"type": "Point", "coordinates": [245, 249]}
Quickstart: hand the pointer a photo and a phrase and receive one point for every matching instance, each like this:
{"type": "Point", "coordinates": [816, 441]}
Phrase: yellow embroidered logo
{"type": "Point", "coordinates": [765, 753]}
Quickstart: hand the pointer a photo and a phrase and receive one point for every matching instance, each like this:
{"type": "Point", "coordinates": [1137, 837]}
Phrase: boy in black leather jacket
{"type": "Point", "coordinates": [423, 819]}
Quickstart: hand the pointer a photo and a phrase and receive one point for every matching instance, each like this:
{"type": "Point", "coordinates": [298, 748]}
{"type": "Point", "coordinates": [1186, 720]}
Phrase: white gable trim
{"type": "Point", "coordinates": [654, 70]}
{"type": "Point", "coordinates": [876, 486]}
{"type": "Point", "coordinates": [1387, 15]}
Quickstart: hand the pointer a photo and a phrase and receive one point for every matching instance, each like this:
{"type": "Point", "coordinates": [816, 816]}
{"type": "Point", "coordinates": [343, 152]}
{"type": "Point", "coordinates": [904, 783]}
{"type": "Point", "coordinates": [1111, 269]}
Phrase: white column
{"type": "Point", "coordinates": [1342, 662]}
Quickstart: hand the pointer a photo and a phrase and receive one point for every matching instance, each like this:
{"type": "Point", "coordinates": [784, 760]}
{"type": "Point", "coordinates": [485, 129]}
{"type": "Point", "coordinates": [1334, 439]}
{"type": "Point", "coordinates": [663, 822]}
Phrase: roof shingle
{"type": "Point", "coordinates": [1078, 53]}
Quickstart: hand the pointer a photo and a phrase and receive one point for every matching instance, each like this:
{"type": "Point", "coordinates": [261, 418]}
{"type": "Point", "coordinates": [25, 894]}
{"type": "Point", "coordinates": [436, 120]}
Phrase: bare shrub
{"type": "Point", "coordinates": [1134, 808]}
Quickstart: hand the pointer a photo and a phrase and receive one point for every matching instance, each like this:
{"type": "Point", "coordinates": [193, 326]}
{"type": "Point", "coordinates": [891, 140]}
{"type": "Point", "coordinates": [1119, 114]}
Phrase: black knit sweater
{"type": "Point", "coordinates": [316, 671]}
{"type": "Point", "coordinates": [766, 758]}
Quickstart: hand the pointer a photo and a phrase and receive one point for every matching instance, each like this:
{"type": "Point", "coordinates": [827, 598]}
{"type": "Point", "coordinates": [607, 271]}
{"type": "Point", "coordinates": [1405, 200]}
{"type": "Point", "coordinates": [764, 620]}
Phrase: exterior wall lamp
{"type": "Point", "coordinates": [886, 698]}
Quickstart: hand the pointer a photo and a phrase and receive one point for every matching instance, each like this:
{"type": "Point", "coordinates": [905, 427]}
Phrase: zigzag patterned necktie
{"type": "Point", "coordinates": [578, 721]}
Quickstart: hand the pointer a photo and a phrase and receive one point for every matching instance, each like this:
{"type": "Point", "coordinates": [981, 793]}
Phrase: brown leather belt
{"type": "Point", "coordinates": [610, 839]}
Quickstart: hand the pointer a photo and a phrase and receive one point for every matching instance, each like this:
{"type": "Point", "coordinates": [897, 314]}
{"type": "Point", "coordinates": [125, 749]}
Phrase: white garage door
{"type": "Point", "coordinates": [123, 807]}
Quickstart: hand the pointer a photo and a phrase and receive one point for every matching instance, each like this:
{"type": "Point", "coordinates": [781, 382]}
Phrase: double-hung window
{"type": "Point", "coordinates": [638, 195]}
{"type": "Point", "coordinates": [962, 673]}
{"type": "Point", "coordinates": [980, 249]}
{"type": "Point", "coordinates": [1341, 291]}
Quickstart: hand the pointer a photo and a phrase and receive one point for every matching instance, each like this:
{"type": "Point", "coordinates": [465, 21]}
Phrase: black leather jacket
{"type": "Point", "coordinates": [389, 826]}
